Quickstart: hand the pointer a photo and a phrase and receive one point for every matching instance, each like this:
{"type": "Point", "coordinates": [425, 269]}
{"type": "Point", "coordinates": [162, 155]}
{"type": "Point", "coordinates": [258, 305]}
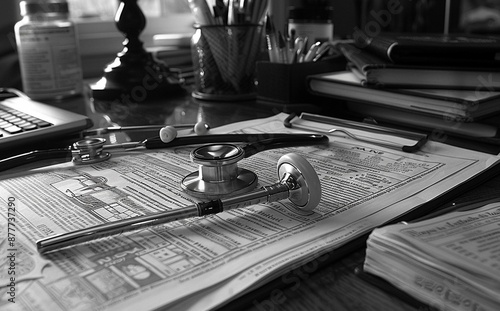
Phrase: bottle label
{"type": "Point", "coordinates": [313, 31]}
{"type": "Point", "coordinates": [50, 62]}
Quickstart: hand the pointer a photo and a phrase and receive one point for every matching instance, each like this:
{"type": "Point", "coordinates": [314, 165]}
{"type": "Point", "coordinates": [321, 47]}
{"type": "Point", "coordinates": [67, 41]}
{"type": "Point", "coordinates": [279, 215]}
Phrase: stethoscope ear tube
{"type": "Point", "coordinates": [292, 140]}
{"type": "Point", "coordinates": [62, 155]}
{"type": "Point", "coordinates": [257, 141]}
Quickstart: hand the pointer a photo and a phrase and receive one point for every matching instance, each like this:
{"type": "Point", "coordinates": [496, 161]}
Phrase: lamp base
{"type": "Point", "coordinates": [136, 77]}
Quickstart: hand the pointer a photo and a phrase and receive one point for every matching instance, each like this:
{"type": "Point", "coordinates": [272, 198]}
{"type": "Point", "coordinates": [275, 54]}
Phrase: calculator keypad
{"type": "Point", "coordinates": [13, 121]}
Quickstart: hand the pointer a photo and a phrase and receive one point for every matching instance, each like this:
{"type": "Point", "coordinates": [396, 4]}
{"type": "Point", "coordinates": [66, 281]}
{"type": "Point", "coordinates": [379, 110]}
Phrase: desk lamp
{"type": "Point", "coordinates": [134, 74]}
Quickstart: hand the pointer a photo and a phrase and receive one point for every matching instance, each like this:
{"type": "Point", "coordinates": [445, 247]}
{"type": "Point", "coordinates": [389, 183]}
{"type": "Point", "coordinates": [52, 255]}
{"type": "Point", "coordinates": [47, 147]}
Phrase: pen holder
{"type": "Point", "coordinates": [224, 58]}
{"type": "Point", "coordinates": [286, 83]}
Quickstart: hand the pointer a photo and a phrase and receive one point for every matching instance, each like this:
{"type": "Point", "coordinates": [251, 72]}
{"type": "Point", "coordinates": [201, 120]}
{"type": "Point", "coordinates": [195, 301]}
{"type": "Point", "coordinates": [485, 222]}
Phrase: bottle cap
{"type": "Point", "coordinates": [311, 14]}
{"type": "Point", "coordinates": [44, 7]}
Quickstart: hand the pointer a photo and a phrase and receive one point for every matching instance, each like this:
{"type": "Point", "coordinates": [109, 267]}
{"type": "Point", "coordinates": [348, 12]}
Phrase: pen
{"type": "Point", "coordinates": [290, 48]}
{"type": "Point", "coordinates": [299, 46]}
{"type": "Point", "coordinates": [201, 12]}
{"type": "Point", "coordinates": [220, 12]}
{"type": "Point", "coordinates": [303, 50]}
{"type": "Point", "coordinates": [231, 12]}
{"type": "Point", "coordinates": [271, 41]}
{"type": "Point", "coordinates": [292, 38]}
{"type": "Point", "coordinates": [312, 52]}
{"type": "Point", "coordinates": [228, 12]}
{"type": "Point", "coordinates": [323, 50]}
{"type": "Point", "coordinates": [283, 49]}
{"type": "Point", "coordinates": [258, 8]}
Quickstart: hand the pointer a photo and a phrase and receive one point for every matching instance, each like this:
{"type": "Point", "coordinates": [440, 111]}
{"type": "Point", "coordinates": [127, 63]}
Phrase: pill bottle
{"type": "Point", "coordinates": [313, 22]}
{"type": "Point", "coordinates": [48, 51]}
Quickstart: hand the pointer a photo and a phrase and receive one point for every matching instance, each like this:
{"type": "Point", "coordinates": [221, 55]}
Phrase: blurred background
{"type": "Point", "coordinates": [100, 40]}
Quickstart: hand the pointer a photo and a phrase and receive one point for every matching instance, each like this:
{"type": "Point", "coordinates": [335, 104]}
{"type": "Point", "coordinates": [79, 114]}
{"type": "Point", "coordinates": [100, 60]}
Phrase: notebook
{"type": "Point", "coordinates": [25, 123]}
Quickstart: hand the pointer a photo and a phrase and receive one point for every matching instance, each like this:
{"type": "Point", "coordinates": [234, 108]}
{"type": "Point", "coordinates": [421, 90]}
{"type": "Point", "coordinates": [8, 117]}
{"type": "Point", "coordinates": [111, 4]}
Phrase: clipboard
{"type": "Point", "coordinates": [432, 208]}
{"type": "Point", "coordinates": [416, 140]}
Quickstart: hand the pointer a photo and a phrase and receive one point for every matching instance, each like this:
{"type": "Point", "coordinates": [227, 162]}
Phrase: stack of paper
{"type": "Point", "coordinates": [451, 262]}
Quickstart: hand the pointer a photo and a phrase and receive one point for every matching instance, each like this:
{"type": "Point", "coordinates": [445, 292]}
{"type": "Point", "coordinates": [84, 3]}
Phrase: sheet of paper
{"type": "Point", "coordinates": [216, 258]}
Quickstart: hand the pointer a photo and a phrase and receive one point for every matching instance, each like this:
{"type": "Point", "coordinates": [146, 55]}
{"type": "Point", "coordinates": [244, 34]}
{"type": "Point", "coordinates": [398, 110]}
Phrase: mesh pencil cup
{"type": "Point", "coordinates": [224, 59]}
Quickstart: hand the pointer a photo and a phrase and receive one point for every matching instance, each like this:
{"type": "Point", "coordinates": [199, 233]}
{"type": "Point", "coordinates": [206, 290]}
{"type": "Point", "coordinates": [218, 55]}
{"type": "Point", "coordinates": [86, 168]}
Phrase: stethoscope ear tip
{"type": "Point", "coordinates": [201, 128]}
{"type": "Point", "coordinates": [168, 133]}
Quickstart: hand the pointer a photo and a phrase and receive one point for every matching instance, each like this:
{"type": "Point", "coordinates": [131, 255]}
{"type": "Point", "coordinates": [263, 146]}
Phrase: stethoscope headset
{"type": "Point", "coordinates": [216, 154]}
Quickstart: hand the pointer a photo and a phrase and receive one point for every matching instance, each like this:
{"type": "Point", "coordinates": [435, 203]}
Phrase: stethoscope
{"type": "Point", "coordinates": [298, 182]}
{"type": "Point", "coordinates": [217, 157]}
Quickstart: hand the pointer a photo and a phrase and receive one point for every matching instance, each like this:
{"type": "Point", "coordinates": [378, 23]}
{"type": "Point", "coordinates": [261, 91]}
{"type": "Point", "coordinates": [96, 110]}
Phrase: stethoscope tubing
{"type": "Point", "coordinates": [62, 155]}
{"type": "Point", "coordinates": [256, 143]}
{"type": "Point", "coordinates": [131, 128]}
{"type": "Point", "coordinates": [292, 140]}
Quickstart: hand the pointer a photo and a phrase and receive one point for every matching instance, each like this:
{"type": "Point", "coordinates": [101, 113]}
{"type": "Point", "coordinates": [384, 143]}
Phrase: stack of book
{"type": "Point", "coordinates": [447, 82]}
{"type": "Point", "coordinates": [450, 262]}
{"type": "Point", "coordinates": [174, 50]}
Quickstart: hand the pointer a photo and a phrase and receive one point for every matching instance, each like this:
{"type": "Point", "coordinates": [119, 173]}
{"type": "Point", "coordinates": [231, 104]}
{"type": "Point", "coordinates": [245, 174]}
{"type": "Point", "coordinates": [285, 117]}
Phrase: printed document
{"type": "Point", "coordinates": [202, 263]}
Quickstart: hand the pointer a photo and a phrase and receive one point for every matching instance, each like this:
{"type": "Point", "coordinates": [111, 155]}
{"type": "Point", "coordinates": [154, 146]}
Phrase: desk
{"type": "Point", "coordinates": [325, 285]}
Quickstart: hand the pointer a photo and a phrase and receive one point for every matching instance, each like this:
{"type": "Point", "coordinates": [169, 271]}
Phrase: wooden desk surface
{"type": "Point", "coordinates": [330, 284]}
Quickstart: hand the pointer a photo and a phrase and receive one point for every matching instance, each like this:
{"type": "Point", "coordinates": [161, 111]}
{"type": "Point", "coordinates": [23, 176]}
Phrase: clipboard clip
{"type": "Point", "coordinates": [419, 138]}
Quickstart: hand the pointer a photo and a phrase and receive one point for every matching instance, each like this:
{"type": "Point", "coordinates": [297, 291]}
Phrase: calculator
{"type": "Point", "coordinates": [25, 122]}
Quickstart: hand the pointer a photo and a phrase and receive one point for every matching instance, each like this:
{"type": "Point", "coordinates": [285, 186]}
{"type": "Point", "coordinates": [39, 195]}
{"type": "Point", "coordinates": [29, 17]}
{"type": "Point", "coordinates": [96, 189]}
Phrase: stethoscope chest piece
{"type": "Point", "coordinates": [218, 173]}
{"type": "Point", "coordinates": [88, 151]}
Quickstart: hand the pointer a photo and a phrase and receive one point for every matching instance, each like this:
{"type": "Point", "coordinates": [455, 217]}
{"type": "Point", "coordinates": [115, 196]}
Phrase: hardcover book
{"type": "Point", "coordinates": [463, 105]}
{"type": "Point", "coordinates": [375, 71]}
{"type": "Point", "coordinates": [457, 49]}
